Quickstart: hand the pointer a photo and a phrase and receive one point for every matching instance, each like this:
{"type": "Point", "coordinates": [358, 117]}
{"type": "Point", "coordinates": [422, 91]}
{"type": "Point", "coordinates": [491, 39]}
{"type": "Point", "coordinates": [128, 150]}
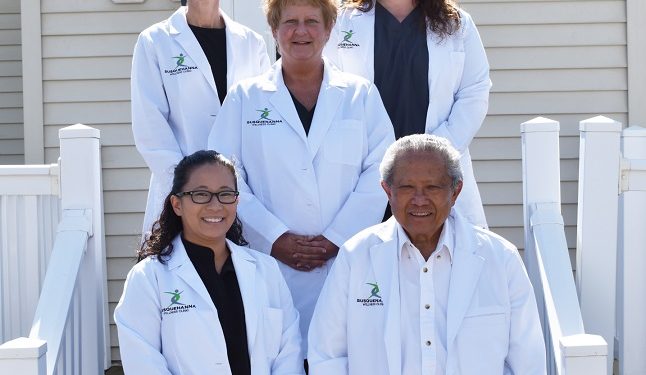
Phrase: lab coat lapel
{"type": "Point", "coordinates": [281, 100]}
{"type": "Point", "coordinates": [184, 36]}
{"type": "Point", "coordinates": [235, 57]}
{"type": "Point", "coordinates": [329, 99]}
{"type": "Point", "coordinates": [181, 264]}
{"type": "Point", "coordinates": [385, 264]}
{"type": "Point", "coordinates": [245, 266]}
{"type": "Point", "coordinates": [465, 273]}
{"type": "Point", "coordinates": [439, 54]}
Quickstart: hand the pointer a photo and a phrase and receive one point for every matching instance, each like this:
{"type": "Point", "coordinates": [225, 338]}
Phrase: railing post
{"type": "Point", "coordinates": [583, 355]}
{"type": "Point", "coordinates": [631, 278]}
{"type": "Point", "coordinates": [541, 184]}
{"type": "Point", "coordinates": [596, 256]}
{"type": "Point", "coordinates": [23, 356]}
{"type": "Point", "coordinates": [81, 199]}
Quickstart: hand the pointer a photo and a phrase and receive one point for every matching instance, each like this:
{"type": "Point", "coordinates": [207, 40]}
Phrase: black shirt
{"type": "Point", "coordinates": [214, 45]}
{"type": "Point", "coordinates": [401, 69]}
{"type": "Point", "coordinates": [305, 115]}
{"type": "Point", "coordinates": [225, 294]}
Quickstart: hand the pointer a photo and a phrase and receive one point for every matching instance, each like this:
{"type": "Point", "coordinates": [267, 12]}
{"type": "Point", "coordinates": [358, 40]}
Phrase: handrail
{"type": "Point", "coordinates": [70, 321]}
{"type": "Point", "coordinates": [570, 351]}
{"type": "Point", "coordinates": [59, 286]}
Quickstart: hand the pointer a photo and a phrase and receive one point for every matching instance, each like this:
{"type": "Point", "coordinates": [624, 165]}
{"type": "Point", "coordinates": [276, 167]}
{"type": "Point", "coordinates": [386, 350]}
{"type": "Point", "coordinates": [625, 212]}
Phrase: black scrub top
{"type": "Point", "coordinates": [214, 45]}
{"type": "Point", "coordinates": [225, 294]}
{"type": "Point", "coordinates": [401, 69]}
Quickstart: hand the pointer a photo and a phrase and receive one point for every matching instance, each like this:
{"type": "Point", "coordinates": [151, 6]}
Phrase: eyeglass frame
{"type": "Point", "coordinates": [236, 193]}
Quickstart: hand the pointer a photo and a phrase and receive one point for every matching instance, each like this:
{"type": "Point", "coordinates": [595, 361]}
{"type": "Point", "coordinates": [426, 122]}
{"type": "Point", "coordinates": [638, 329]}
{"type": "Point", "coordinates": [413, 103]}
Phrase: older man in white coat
{"type": "Point", "coordinates": [426, 292]}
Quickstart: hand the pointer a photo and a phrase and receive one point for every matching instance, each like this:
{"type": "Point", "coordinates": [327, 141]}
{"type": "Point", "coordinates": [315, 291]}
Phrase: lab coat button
{"type": "Point", "coordinates": [427, 306]}
{"type": "Point", "coordinates": [428, 343]}
{"type": "Point", "coordinates": [425, 269]}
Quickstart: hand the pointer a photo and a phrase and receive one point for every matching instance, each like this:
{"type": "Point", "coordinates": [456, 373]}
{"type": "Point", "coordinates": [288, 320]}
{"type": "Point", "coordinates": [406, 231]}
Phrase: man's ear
{"type": "Point", "coordinates": [387, 189]}
{"type": "Point", "coordinates": [456, 192]}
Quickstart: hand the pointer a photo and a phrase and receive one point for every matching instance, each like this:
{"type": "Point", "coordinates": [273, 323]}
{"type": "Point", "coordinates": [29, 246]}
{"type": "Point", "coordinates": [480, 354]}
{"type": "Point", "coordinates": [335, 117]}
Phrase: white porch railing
{"type": "Point", "coordinates": [69, 332]}
{"type": "Point", "coordinates": [569, 349]}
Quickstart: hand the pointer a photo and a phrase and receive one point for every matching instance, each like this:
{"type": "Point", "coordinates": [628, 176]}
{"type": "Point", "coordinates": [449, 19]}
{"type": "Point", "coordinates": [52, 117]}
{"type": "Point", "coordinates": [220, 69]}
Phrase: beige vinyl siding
{"type": "Point", "coordinates": [87, 52]}
{"type": "Point", "coordinates": [11, 129]}
{"type": "Point", "coordinates": [565, 60]}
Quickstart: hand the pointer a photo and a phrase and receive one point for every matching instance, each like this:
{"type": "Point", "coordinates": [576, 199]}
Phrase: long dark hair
{"type": "Point", "coordinates": [441, 16]}
{"type": "Point", "coordinates": [169, 225]}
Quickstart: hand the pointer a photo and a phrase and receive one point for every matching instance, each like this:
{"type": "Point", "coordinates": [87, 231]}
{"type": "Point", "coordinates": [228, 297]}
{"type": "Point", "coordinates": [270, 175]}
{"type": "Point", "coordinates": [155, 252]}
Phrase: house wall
{"type": "Point", "coordinates": [11, 131]}
{"type": "Point", "coordinates": [565, 60]}
{"type": "Point", "coordinates": [561, 59]}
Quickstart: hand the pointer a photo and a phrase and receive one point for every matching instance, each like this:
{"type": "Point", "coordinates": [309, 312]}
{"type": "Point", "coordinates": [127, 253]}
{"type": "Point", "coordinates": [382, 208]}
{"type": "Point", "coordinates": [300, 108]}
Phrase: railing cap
{"type": "Point", "coordinates": [23, 347]}
{"type": "Point", "coordinates": [583, 345]}
{"type": "Point", "coordinates": [539, 124]}
{"type": "Point", "coordinates": [78, 131]}
{"type": "Point", "coordinates": [600, 124]}
{"type": "Point", "coordinates": [634, 131]}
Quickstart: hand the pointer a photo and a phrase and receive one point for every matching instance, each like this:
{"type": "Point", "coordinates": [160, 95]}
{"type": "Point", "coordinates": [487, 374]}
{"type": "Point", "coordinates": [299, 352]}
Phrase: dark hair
{"type": "Point", "coordinates": [441, 16]}
{"type": "Point", "coordinates": [169, 225]}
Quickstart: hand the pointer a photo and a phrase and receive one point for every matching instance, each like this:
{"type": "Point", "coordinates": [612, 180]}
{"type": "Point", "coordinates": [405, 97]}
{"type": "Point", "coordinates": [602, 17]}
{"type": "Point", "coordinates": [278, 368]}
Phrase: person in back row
{"type": "Point", "coordinates": [181, 70]}
{"type": "Point", "coordinates": [398, 43]}
{"type": "Point", "coordinates": [307, 140]}
{"type": "Point", "coordinates": [426, 292]}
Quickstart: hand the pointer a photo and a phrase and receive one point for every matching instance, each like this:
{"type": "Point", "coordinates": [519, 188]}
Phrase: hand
{"type": "Point", "coordinates": [303, 253]}
{"type": "Point", "coordinates": [331, 250]}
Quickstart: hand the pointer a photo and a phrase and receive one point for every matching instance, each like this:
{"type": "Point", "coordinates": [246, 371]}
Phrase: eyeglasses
{"type": "Point", "coordinates": [205, 196]}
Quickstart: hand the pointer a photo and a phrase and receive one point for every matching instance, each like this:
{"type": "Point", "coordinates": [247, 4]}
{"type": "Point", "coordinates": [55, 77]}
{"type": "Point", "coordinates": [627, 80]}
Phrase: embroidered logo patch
{"type": "Point", "coordinates": [347, 42]}
{"type": "Point", "coordinates": [374, 299]}
{"type": "Point", "coordinates": [175, 305]}
{"type": "Point", "coordinates": [180, 67]}
{"type": "Point", "coordinates": [264, 119]}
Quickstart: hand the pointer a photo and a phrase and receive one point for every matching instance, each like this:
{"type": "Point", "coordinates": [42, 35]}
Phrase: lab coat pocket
{"type": "Point", "coordinates": [273, 321]}
{"type": "Point", "coordinates": [484, 332]}
{"type": "Point", "coordinates": [344, 142]}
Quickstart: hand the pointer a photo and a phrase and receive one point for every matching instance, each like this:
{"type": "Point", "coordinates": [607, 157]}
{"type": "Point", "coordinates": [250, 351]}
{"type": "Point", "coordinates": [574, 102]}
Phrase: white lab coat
{"type": "Point", "coordinates": [324, 183]}
{"type": "Point", "coordinates": [173, 107]}
{"type": "Point", "coordinates": [492, 319]}
{"type": "Point", "coordinates": [157, 337]}
{"type": "Point", "coordinates": [458, 81]}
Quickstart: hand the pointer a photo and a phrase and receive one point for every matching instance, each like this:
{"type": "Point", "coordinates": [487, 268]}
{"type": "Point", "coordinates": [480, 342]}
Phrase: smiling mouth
{"type": "Point", "coordinates": [213, 219]}
{"type": "Point", "coordinates": [420, 214]}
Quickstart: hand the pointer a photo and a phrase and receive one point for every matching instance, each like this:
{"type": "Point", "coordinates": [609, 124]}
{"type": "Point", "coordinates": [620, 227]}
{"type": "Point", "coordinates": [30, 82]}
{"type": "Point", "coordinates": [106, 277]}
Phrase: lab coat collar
{"type": "Point", "coordinates": [385, 265]}
{"type": "Point", "coordinates": [329, 99]}
{"type": "Point", "coordinates": [465, 273]}
{"type": "Point", "coordinates": [181, 31]}
{"type": "Point", "coordinates": [245, 267]}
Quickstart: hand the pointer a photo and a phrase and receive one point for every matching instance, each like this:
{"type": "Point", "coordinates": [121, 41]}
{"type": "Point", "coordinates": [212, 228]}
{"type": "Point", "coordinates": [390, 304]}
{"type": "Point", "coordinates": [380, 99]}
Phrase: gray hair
{"type": "Point", "coordinates": [419, 143]}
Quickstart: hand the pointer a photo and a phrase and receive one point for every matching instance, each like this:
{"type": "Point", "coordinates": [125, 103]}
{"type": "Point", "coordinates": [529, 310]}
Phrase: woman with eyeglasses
{"type": "Point", "coordinates": [198, 301]}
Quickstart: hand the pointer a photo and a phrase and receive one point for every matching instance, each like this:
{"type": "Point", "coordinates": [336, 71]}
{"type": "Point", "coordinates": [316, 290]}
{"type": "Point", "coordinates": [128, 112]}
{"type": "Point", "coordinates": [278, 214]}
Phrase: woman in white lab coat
{"type": "Point", "coordinates": [307, 140]}
{"type": "Point", "coordinates": [198, 302]}
{"type": "Point", "coordinates": [394, 43]}
{"type": "Point", "coordinates": [181, 70]}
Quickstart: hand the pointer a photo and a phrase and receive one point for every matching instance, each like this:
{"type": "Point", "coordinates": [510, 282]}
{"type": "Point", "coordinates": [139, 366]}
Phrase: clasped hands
{"type": "Point", "coordinates": [303, 253]}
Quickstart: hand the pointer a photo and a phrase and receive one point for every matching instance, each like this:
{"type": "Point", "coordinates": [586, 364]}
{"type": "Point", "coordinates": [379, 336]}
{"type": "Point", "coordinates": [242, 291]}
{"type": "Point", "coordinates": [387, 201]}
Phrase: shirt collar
{"type": "Point", "coordinates": [447, 239]}
{"type": "Point", "coordinates": [203, 259]}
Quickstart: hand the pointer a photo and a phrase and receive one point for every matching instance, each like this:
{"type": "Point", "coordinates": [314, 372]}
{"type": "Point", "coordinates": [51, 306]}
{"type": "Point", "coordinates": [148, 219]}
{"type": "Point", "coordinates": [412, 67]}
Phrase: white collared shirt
{"type": "Point", "coordinates": [424, 290]}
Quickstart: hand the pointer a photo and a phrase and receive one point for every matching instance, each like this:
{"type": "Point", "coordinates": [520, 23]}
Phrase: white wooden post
{"type": "Point", "coordinates": [71, 269]}
{"type": "Point", "coordinates": [23, 356]}
{"type": "Point", "coordinates": [596, 256]}
{"type": "Point", "coordinates": [583, 355]}
{"type": "Point", "coordinates": [631, 275]}
{"type": "Point", "coordinates": [541, 184]}
{"type": "Point", "coordinates": [82, 189]}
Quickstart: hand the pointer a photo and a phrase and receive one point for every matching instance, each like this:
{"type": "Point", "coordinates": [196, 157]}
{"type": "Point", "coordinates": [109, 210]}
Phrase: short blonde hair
{"type": "Point", "coordinates": [274, 8]}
